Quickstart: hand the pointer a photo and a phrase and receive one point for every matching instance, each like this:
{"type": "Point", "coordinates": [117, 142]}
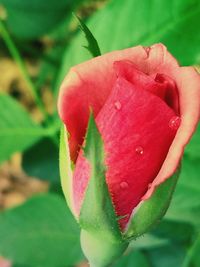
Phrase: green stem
{"type": "Point", "coordinates": [18, 59]}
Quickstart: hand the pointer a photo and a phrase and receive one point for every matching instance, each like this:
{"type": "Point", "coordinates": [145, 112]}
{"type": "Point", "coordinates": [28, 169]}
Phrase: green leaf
{"type": "Point", "coordinates": [136, 259]}
{"type": "Point", "coordinates": [33, 18]}
{"type": "Point", "coordinates": [93, 46]}
{"type": "Point", "coordinates": [125, 24]}
{"type": "Point", "coordinates": [171, 255]}
{"type": "Point", "coordinates": [40, 233]}
{"type": "Point", "coordinates": [97, 212]}
{"type": "Point", "coordinates": [185, 204]}
{"type": "Point", "coordinates": [41, 161]}
{"type": "Point", "coordinates": [17, 130]}
{"type": "Point", "coordinates": [174, 231]}
{"type": "Point", "coordinates": [148, 241]}
{"type": "Point", "coordinates": [152, 210]}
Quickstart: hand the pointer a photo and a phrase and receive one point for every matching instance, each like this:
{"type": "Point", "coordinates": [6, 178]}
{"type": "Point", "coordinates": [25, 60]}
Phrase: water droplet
{"type": "Point", "coordinates": [118, 105]}
{"type": "Point", "coordinates": [149, 185]}
{"type": "Point", "coordinates": [139, 150]}
{"type": "Point", "coordinates": [175, 122]}
{"type": "Point", "coordinates": [123, 185]}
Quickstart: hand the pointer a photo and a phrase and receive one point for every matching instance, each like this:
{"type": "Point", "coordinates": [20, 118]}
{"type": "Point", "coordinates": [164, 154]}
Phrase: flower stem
{"type": "Point", "coordinates": [22, 67]}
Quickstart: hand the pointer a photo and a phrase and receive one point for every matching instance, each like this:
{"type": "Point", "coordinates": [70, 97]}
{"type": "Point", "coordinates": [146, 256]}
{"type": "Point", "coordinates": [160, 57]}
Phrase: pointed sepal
{"type": "Point", "coordinates": [98, 220]}
{"type": "Point", "coordinates": [149, 212]}
{"type": "Point", "coordinates": [92, 46]}
{"type": "Point", "coordinates": [97, 211]}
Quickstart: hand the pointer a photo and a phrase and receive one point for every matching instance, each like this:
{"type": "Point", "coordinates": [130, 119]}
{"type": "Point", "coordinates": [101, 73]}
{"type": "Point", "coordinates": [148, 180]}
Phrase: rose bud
{"type": "Point", "coordinates": [126, 160]}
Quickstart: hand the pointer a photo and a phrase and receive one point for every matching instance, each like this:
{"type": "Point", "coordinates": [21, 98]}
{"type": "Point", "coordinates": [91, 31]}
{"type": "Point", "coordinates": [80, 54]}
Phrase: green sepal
{"type": "Point", "coordinates": [93, 46]}
{"type": "Point", "coordinates": [97, 212]}
{"type": "Point", "coordinates": [151, 211]}
{"type": "Point", "coordinates": [65, 166]}
{"type": "Point", "coordinates": [98, 220]}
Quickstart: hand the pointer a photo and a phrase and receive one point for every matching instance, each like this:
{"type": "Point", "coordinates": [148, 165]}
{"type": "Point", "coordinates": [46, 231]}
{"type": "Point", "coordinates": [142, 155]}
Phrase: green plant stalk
{"type": "Point", "coordinates": [22, 67]}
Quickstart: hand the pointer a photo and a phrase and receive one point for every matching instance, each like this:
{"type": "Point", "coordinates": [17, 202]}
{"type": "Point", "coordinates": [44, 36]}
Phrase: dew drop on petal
{"type": "Point", "coordinates": [118, 105]}
{"type": "Point", "coordinates": [139, 150]}
{"type": "Point", "coordinates": [124, 185]}
{"type": "Point", "coordinates": [175, 122]}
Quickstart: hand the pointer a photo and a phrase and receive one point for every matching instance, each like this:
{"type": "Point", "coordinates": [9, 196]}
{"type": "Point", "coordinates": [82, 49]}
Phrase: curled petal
{"type": "Point", "coordinates": [188, 83]}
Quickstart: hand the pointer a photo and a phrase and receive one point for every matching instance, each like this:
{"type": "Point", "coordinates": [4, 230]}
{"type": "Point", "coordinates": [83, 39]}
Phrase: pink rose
{"type": "Point", "coordinates": [146, 108]}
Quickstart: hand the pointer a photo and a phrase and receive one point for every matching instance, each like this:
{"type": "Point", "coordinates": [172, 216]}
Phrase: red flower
{"type": "Point", "coordinates": [146, 108]}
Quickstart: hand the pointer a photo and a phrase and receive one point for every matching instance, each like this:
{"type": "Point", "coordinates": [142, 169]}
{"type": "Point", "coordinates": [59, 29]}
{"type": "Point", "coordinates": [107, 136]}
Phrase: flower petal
{"type": "Point", "coordinates": [188, 83]}
{"type": "Point", "coordinates": [162, 85]}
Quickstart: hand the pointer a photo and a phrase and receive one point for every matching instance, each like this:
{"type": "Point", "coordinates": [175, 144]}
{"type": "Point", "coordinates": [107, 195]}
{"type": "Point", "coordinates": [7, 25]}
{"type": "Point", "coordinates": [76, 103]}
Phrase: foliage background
{"type": "Point", "coordinates": [39, 41]}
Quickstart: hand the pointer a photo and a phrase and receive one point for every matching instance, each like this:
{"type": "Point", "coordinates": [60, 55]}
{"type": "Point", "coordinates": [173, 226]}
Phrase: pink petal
{"type": "Point", "coordinates": [162, 85]}
{"type": "Point", "coordinates": [188, 83]}
{"type": "Point", "coordinates": [159, 61]}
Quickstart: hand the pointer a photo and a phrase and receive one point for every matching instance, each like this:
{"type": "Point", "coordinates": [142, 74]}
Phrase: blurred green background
{"type": "Point", "coordinates": [39, 41]}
